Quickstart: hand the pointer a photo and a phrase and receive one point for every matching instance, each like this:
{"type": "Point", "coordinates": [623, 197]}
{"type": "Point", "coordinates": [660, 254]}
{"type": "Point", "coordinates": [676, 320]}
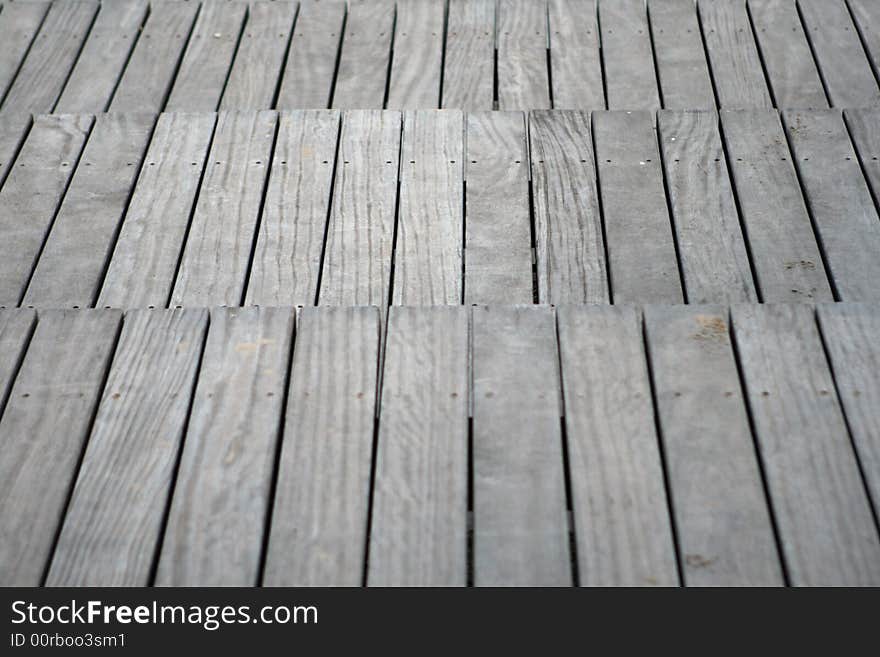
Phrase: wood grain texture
{"type": "Point", "coordinates": [430, 223]}
{"type": "Point", "coordinates": [287, 258]}
{"type": "Point", "coordinates": [14, 127]}
{"type": "Point", "coordinates": [416, 68]}
{"type": "Point", "coordinates": [844, 214]}
{"type": "Point", "coordinates": [19, 24]}
{"type": "Point", "coordinates": [31, 195]}
{"type": "Point", "coordinates": [469, 65]}
{"type": "Point", "coordinates": [640, 241]}
{"type": "Point", "coordinates": [44, 430]}
{"type": "Point", "coordinates": [714, 261]}
{"type": "Point", "coordinates": [569, 248]}
{"type": "Point", "coordinates": [630, 80]}
{"type": "Point", "coordinates": [318, 533]}
{"type": "Point", "coordinates": [16, 328]}
{"type": "Point", "coordinates": [787, 262]}
{"type": "Point", "coordinates": [418, 533]}
{"type": "Point", "coordinates": [366, 52]}
{"type": "Point", "coordinates": [218, 248]}
{"type": "Point", "coordinates": [826, 526]}
{"type": "Point", "coordinates": [498, 251]}
{"type": "Point", "coordinates": [214, 534]}
{"type": "Point", "coordinates": [144, 263]}
{"type": "Point", "coordinates": [724, 529]}
{"type": "Point", "coordinates": [521, 46]}
{"type": "Point", "coordinates": [575, 62]}
{"type": "Point", "coordinates": [116, 513]}
{"type": "Point", "coordinates": [77, 250]}
{"type": "Point", "coordinates": [864, 130]}
{"type": "Point", "coordinates": [866, 16]}
{"type": "Point", "coordinates": [621, 515]}
{"type": "Point", "coordinates": [521, 533]}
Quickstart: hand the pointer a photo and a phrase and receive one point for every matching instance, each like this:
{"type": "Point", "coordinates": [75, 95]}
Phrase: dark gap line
{"type": "Point", "coordinates": [548, 51]}
{"type": "Point", "coordinates": [392, 268]}
{"type": "Point", "coordinates": [79, 52]}
{"type": "Point", "coordinates": [338, 56]}
{"type": "Point", "coordinates": [495, 82]}
{"type": "Point", "coordinates": [812, 48]}
{"type": "Point", "coordinates": [470, 520]}
{"type": "Point", "coordinates": [679, 260]}
{"type": "Point", "coordinates": [128, 56]}
{"type": "Point", "coordinates": [16, 368]}
{"type": "Point", "coordinates": [533, 232]}
{"type": "Point", "coordinates": [443, 52]}
{"type": "Point", "coordinates": [277, 93]}
{"type": "Point", "coordinates": [601, 56]}
{"type": "Point", "coordinates": [24, 57]}
{"type": "Point", "coordinates": [609, 275]}
{"type": "Point", "coordinates": [862, 41]}
{"type": "Point", "coordinates": [860, 158]}
{"type": "Point", "coordinates": [654, 55]}
{"type": "Point", "coordinates": [179, 63]}
{"type": "Point", "coordinates": [17, 150]}
{"type": "Point", "coordinates": [708, 57]}
{"type": "Point", "coordinates": [388, 70]}
{"type": "Point", "coordinates": [343, 116]}
{"type": "Point", "coordinates": [768, 83]}
{"type": "Point", "coordinates": [238, 41]}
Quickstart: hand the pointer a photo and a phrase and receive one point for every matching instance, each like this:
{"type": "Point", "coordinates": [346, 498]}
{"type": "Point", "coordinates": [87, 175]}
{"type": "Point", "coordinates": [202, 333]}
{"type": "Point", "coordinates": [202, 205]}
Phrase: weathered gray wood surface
{"type": "Point", "coordinates": [366, 51]}
{"type": "Point", "coordinates": [19, 24]}
{"type": "Point", "coordinates": [630, 79]}
{"type": "Point", "coordinates": [575, 62]}
{"type": "Point", "coordinates": [521, 47]}
{"type": "Point", "coordinates": [866, 15]}
{"type": "Point", "coordinates": [415, 74]}
{"type": "Point", "coordinates": [469, 64]}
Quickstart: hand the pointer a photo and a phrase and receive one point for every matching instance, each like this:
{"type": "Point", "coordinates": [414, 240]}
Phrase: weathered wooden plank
{"type": "Point", "coordinates": [714, 261]}
{"type": "Point", "coordinates": [214, 534]}
{"type": "Point", "coordinates": [116, 513]}
{"type": "Point", "coordinates": [866, 16]}
{"type": "Point", "coordinates": [864, 129]}
{"type": "Point", "coordinates": [256, 73]}
{"type": "Point", "coordinates": [521, 533]}
{"type": "Point", "coordinates": [14, 127]}
{"type": "Point", "coordinates": [103, 58]}
{"type": "Point", "coordinates": [429, 255]}
{"type": "Point", "coordinates": [418, 55]}
{"type": "Point", "coordinates": [682, 70]}
{"type": "Point", "coordinates": [43, 432]}
{"type": "Point", "coordinates": [569, 248]}
{"type": "Point", "coordinates": [360, 231]}
{"type": "Point", "coordinates": [418, 533]}
{"type": "Point", "coordinates": [575, 62]}
{"type": "Point", "coordinates": [521, 43]}
{"type": "Point", "coordinates": [144, 263]}
{"type": "Point", "coordinates": [51, 56]}
{"type": "Point", "coordinates": [626, 51]}
{"type": "Point", "coordinates": [319, 523]}
{"type": "Point", "coordinates": [792, 73]}
{"type": "Point", "coordinates": [640, 242]}
{"type": "Point", "coordinates": [287, 258]}
{"type": "Point", "coordinates": [733, 54]}
{"type": "Point", "coordinates": [307, 81]}
{"type": "Point", "coordinates": [621, 515]}
{"type": "Point", "coordinates": [215, 261]}
{"type": "Point", "coordinates": [787, 262]}
{"type": "Point", "coordinates": [845, 69]}
{"type": "Point", "coordinates": [77, 250]}
{"type": "Point", "coordinates": [498, 251]}
{"type": "Point", "coordinates": [208, 59]}
{"type": "Point", "coordinates": [31, 196]}
{"type": "Point", "coordinates": [825, 522]}
{"type": "Point", "coordinates": [844, 215]}
{"type": "Point", "coordinates": [150, 72]}
{"type": "Point", "coordinates": [724, 528]}
{"type": "Point", "coordinates": [366, 51]}
{"type": "Point", "coordinates": [16, 327]}
{"type": "Point", "coordinates": [19, 24]}
{"type": "Point", "coordinates": [469, 66]}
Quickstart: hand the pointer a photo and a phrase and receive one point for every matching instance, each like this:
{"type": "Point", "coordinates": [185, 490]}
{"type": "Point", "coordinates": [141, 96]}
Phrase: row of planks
{"type": "Point", "coordinates": [505, 445]}
{"type": "Point", "coordinates": [82, 56]}
{"type": "Point", "coordinates": [437, 207]}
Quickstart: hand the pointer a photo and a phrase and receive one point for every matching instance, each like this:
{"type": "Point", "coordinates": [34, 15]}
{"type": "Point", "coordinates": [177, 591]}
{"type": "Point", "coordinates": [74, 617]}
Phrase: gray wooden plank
{"type": "Point", "coordinates": [569, 247]}
{"type": "Point", "coordinates": [290, 240]}
{"type": "Point", "coordinates": [307, 81]}
{"type": "Point", "coordinates": [416, 68]}
{"type": "Point", "coordinates": [319, 521]}
{"type": "Point", "coordinates": [521, 533]}
{"type": "Point", "coordinates": [630, 80]}
{"type": "Point", "coordinates": [32, 193]}
{"type": "Point", "coordinates": [215, 260]}
{"type": "Point", "coordinates": [77, 250]}
{"type": "Point", "coordinates": [786, 258]}
{"type": "Point", "coordinates": [521, 45]}
{"type": "Point", "coordinates": [682, 69]}
{"type": "Point", "coordinates": [864, 130]}
{"type": "Point", "coordinates": [640, 241]}
{"type": "Point", "coordinates": [845, 69]}
{"type": "Point", "coordinates": [150, 72]}
{"type": "Point", "coordinates": [723, 523]}
{"type": "Point", "coordinates": [430, 225]}
{"type": "Point", "coordinates": [733, 54]}
{"type": "Point", "coordinates": [418, 534]}
{"type": "Point", "coordinates": [103, 58]}
{"type": "Point", "coordinates": [256, 73]}
{"type": "Point", "coordinates": [469, 64]}
{"type": "Point", "coordinates": [144, 263]}
{"type": "Point", "coordinates": [866, 16]}
{"type": "Point", "coordinates": [19, 24]}
{"type": "Point", "coordinates": [712, 251]}
{"type": "Point", "coordinates": [116, 512]}
{"type": "Point", "coordinates": [575, 61]}
{"type": "Point", "coordinates": [44, 431]}
{"type": "Point", "coordinates": [214, 533]}
{"type": "Point", "coordinates": [207, 61]}
{"type": "Point", "coordinates": [826, 527]}
{"type": "Point", "coordinates": [51, 56]}
{"type": "Point", "coordinates": [843, 212]}
{"type": "Point", "coordinates": [785, 51]}
{"type": "Point", "coordinates": [14, 127]}
{"type": "Point", "coordinates": [360, 231]}
{"type": "Point", "coordinates": [498, 251]}
{"type": "Point", "coordinates": [621, 515]}
{"type": "Point", "coordinates": [16, 328]}
{"type": "Point", "coordinates": [366, 51]}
